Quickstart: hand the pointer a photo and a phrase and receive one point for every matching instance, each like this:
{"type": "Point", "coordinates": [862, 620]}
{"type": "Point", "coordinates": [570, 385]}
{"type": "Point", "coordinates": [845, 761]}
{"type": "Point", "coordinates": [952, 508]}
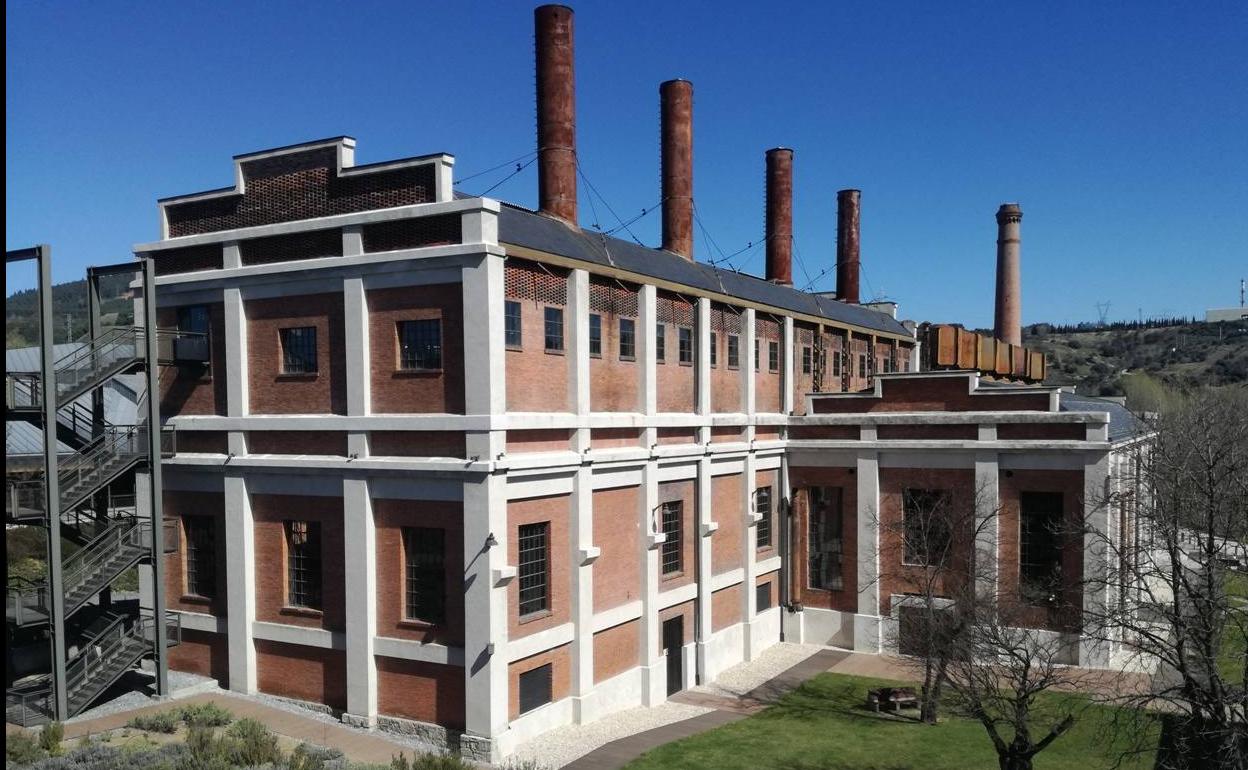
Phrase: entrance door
{"type": "Point", "coordinates": [673, 645]}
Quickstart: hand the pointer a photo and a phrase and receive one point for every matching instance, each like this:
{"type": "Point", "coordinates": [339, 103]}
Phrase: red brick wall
{"type": "Point", "coordinates": [426, 692]}
{"type": "Point", "coordinates": [676, 382]}
{"type": "Point", "coordinates": [824, 432]}
{"type": "Point", "coordinates": [390, 516]}
{"type": "Point", "coordinates": [194, 389]}
{"type": "Point", "coordinates": [684, 610]}
{"type": "Point", "coordinates": [556, 510]}
{"type": "Point", "coordinates": [934, 394]}
{"type": "Point", "coordinates": [614, 381]}
{"type": "Point", "coordinates": [617, 572]}
{"type": "Point", "coordinates": [202, 653]}
{"type": "Point", "coordinates": [845, 600]}
{"type": "Point", "coordinates": [617, 650]}
{"type": "Point", "coordinates": [394, 391]}
{"type": "Point", "coordinates": [766, 433]}
{"type": "Point", "coordinates": [303, 673]}
{"type": "Point", "coordinates": [560, 659]}
{"type": "Point", "coordinates": [209, 505]}
{"type": "Point", "coordinates": [726, 434]}
{"type": "Point", "coordinates": [206, 441]}
{"type": "Point", "coordinates": [937, 432]}
{"type": "Point", "coordinates": [416, 443]}
{"type": "Point", "coordinates": [803, 382]}
{"type": "Point", "coordinates": [1070, 484]}
{"type": "Point", "coordinates": [762, 480]}
{"type": "Point", "coordinates": [768, 383]}
{"type": "Point", "coordinates": [728, 510]}
{"type": "Point", "coordinates": [858, 346]}
{"type": "Point", "coordinates": [726, 607]}
{"type": "Point", "coordinates": [547, 440]}
{"type": "Point", "coordinates": [772, 581]}
{"type": "Point", "coordinates": [725, 380]}
{"type": "Point", "coordinates": [297, 442]}
{"type": "Point", "coordinates": [1023, 431]}
{"type": "Point", "coordinates": [537, 381]}
{"type": "Point", "coordinates": [270, 513]}
{"type": "Point", "coordinates": [683, 491]}
{"type": "Point", "coordinates": [607, 438]}
{"type": "Point", "coordinates": [676, 435]}
{"type": "Point", "coordinates": [272, 392]}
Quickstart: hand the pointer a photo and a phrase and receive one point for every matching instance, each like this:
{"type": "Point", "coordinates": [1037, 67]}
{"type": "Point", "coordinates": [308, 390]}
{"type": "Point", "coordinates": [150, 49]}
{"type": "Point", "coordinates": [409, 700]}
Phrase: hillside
{"type": "Point", "coordinates": [21, 310]}
{"type": "Point", "coordinates": [1181, 356]}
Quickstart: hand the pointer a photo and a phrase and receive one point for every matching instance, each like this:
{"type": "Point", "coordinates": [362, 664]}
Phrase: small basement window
{"type": "Point", "coordinates": [535, 688]}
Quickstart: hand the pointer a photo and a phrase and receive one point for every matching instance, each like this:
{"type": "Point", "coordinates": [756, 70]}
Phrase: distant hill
{"type": "Point", "coordinates": [21, 310]}
{"type": "Point", "coordinates": [1181, 356]}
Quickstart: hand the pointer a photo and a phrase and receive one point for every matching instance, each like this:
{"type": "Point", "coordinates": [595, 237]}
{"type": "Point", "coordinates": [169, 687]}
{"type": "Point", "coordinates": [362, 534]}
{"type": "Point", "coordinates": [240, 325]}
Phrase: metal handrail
{"type": "Point", "coordinates": [99, 651]}
{"type": "Point", "coordinates": [19, 706]}
{"type": "Point", "coordinates": [86, 562]}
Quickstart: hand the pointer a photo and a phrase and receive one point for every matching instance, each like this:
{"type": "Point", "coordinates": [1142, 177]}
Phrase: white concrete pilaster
{"type": "Point", "coordinates": [355, 323]}
{"type": "Point", "coordinates": [240, 582]}
{"type": "Point", "coordinates": [360, 558]}
{"type": "Point", "coordinates": [747, 370]}
{"type": "Point", "coordinates": [703, 362]}
{"type": "Point", "coordinates": [231, 255]}
{"type": "Point", "coordinates": [236, 395]}
{"type": "Point", "coordinates": [786, 346]}
{"type": "Point", "coordinates": [1094, 652]}
{"type": "Point", "coordinates": [867, 619]}
{"type": "Point", "coordinates": [646, 334]}
{"type": "Point", "coordinates": [582, 558]}
{"type": "Point", "coordinates": [352, 240]}
{"type": "Point", "coordinates": [654, 673]}
{"type": "Point", "coordinates": [577, 323]}
{"type": "Point", "coordinates": [749, 551]}
{"type": "Point", "coordinates": [987, 523]}
{"type": "Point", "coordinates": [702, 542]}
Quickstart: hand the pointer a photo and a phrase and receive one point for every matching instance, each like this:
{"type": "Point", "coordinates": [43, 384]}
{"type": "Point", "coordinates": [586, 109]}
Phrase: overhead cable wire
{"type": "Point", "coordinates": [606, 203]}
{"type": "Point", "coordinates": [513, 161]}
{"type": "Point", "coordinates": [507, 178]}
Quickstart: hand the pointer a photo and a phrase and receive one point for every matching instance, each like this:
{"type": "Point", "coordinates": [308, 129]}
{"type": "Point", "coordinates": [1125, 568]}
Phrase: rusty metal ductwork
{"type": "Point", "coordinates": [676, 127]}
{"type": "Point", "coordinates": [848, 215]}
{"type": "Point", "coordinates": [1009, 311]}
{"type": "Point", "coordinates": [780, 216]}
{"type": "Point", "coordinates": [556, 112]}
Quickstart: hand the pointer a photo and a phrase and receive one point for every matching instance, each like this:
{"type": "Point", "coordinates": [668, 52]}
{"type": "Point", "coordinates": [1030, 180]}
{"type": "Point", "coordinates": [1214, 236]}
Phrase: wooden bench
{"type": "Point", "coordinates": [892, 698]}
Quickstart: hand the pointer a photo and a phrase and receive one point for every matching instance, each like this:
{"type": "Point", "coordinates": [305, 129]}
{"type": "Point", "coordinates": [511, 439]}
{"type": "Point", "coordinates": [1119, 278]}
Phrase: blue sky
{"type": "Point", "coordinates": [1122, 128]}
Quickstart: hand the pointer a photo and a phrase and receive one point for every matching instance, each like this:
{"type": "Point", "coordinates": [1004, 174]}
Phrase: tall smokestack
{"type": "Point", "coordinates": [556, 112]}
{"type": "Point", "coordinates": [1009, 324]}
{"type": "Point", "coordinates": [848, 213]}
{"type": "Point", "coordinates": [676, 118]}
{"type": "Point", "coordinates": [780, 216]}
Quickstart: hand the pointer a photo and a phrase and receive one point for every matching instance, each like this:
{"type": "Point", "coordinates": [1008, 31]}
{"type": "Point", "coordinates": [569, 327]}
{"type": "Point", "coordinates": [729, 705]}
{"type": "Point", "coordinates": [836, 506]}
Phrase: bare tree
{"type": "Point", "coordinates": [1174, 561]}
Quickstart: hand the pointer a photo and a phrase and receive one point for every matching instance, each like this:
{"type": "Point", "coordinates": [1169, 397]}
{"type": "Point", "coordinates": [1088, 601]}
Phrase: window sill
{"type": "Point", "coordinates": [417, 372]}
{"type": "Point", "coordinates": [550, 352]}
{"type": "Point", "coordinates": [291, 377]}
{"type": "Point", "coordinates": [517, 348]}
{"type": "Point", "coordinates": [671, 575]}
{"type": "Point", "coordinates": [628, 359]}
{"type": "Point", "coordinates": [532, 616]}
{"type": "Point", "coordinates": [196, 599]}
{"type": "Point", "coordinates": [303, 612]}
{"type": "Point", "coordinates": [686, 363]}
{"type": "Point", "coordinates": [418, 625]}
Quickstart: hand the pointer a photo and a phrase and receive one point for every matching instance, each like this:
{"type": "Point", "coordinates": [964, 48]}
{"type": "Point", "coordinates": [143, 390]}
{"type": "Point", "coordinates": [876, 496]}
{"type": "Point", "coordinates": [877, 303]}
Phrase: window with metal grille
{"type": "Point", "coordinates": [862, 365]}
{"type": "Point", "coordinates": [762, 597]}
{"type": "Point", "coordinates": [534, 544]}
{"type": "Point", "coordinates": [825, 543]}
{"type": "Point", "coordinates": [201, 555]}
{"type": "Point", "coordinates": [303, 564]}
{"type": "Point", "coordinates": [535, 688]}
{"type": "Point", "coordinates": [554, 329]}
{"type": "Point", "coordinates": [927, 532]}
{"type": "Point", "coordinates": [628, 339]}
{"type": "Point", "coordinates": [758, 361]}
{"type": "Point", "coordinates": [1039, 547]}
{"type": "Point", "coordinates": [420, 344]}
{"type": "Point", "coordinates": [773, 356]}
{"type": "Point", "coordinates": [194, 318]}
{"type": "Point", "coordinates": [807, 359]}
{"type": "Point", "coordinates": [672, 552]}
{"type": "Point", "coordinates": [424, 551]}
{"type": "Point", "coordinates": [836, 363]}
{"type": "Point", "coordinates": [512, 336]}
{"type": "Point", "coordinates": [686, 345]}
{"type": "Point", "coordinates": [734, 351]}
{"type": "Point", "coordinates": [762, 506]}
{"type": "Point", "coordinates": [660, 342]}
{"type": "Point", "coordinates": [595, 335]}
{"type": "Point", "coordinates": [299, 350]}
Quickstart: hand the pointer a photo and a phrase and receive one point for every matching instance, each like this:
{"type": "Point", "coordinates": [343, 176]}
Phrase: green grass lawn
{"type": "Point", "coordinates": [1234, 644]}
{"type": "Point", "coordinates": [823, 726]}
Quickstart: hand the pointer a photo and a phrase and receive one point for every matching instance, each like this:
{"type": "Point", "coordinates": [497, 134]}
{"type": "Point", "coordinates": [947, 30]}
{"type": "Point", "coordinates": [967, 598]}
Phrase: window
{"type": "Point", "coordinates": [762, 506]}
{"type": "Point", "coordinates": [424, 551]}
{"type": "Point", "coordinates": [836, 364]}
{"type": "Point", "coordinates": [825, 539]}
{"type": "Point", "coordinates": [862, 366]}
{"type": "Point", "coordinates": [554, 329]}
{"type": "Point", "coordinates": [714, 349]}
{"type": "Point", "coordinates": [806, 359]}
{"type": "Point", "coordinates": [927, 533]}
{"type": "Point", "coordinates": [762, 596]}
{"type": "Point", "coordinates": [420, 344]}
{"type": "Point", "coordinates": [512, 336]}
{"type": "Point", "coordinates": [299, 350]}
{"type": "Point", "coordinates": [194, 318]}
{"type": "Point", "coordinates": [1039, 547]}
{"type": "Point", "coordinates": [628, 339]}
{"type": "Point", "coordinates": [672, 552]}
{"type": "Point", "coordinates": [201, 555]}
{"type": "Point", "coordinates": [660, 343]}
{"type": "Point", "coordinates": [303, 564]}
{"type": "Point", "coordinates": [534, 688]}
{"type": "Point", "coordinates": [773, 356]}
{"type": "Point", "coordinates": [685, 343]}
{"type": "Point", "coordinates": [734, 351]}
{"type": "Point", "coordinates": [595, 335]}
{"type": "Point", "coordinates": [534, 552]}
{"type": "Point", "coordinates": [758, 361]}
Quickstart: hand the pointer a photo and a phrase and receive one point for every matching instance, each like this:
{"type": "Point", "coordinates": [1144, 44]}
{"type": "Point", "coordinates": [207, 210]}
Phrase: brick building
{"type": "Point", "coordinates": [465, 470]}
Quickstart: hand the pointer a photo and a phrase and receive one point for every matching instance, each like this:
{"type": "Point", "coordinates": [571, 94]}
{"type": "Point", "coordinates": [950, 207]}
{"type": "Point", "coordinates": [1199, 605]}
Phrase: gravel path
{"type": "Point", "coordinates": [744, 677]}
{"type": "Point", "coordinates": [135, 690]}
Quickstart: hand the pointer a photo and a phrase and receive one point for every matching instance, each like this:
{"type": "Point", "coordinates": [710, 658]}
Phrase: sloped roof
{"type": "Point", "coordinates": [522, 227]}
{"type": "Point", "coordinates": [1123, 424]}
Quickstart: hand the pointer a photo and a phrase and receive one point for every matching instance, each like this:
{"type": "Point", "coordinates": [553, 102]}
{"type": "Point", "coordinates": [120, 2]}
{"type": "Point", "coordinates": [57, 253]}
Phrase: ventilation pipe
{"type": "Point", "coordinates": [848, 213]}
{"type": "Point", "coordinates": [1009, 325]}
{"type": "Point", "coordinates": [556, 113]}
{"type": "Point", "coordinates": [676, 119]}
{"type": "Point", "coordinates": [780, 216]}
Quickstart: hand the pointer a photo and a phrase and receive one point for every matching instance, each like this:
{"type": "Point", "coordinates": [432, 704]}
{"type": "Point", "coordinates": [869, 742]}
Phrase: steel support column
{"type": "Point", "coordinates": [154, 486]}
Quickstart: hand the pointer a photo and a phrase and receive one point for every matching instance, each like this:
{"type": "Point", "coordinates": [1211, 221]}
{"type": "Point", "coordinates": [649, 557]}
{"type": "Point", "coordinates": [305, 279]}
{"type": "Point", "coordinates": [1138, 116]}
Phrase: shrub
{"type": "Point", "coordinates": [50, 738]}
{"type": "Point", "coordinates": [251, 743]}
{"type": "Point", "coordinates": [21, 748]}
{"type": "Point", "coordinates": [309, 757]}
{"type": "Point", "coordinates": [440, 762]}
{"type": "Point", "coordinates": [205, 714]}
{"type": "Point", "coordinates": [158, 722]}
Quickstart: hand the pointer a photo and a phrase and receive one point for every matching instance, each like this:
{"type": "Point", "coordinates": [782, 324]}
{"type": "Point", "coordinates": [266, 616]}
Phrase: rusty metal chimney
{"type": "Point", "coordinates": [556, 112]}
{"type": "Point", "coordinates": [676, 119]}
{"type": "Point", "coordinates": [848, 213]}
{"type": "Point", "coordinates": [780, 216]}
{"type": "Point", "coordinates": [1009, 324]}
